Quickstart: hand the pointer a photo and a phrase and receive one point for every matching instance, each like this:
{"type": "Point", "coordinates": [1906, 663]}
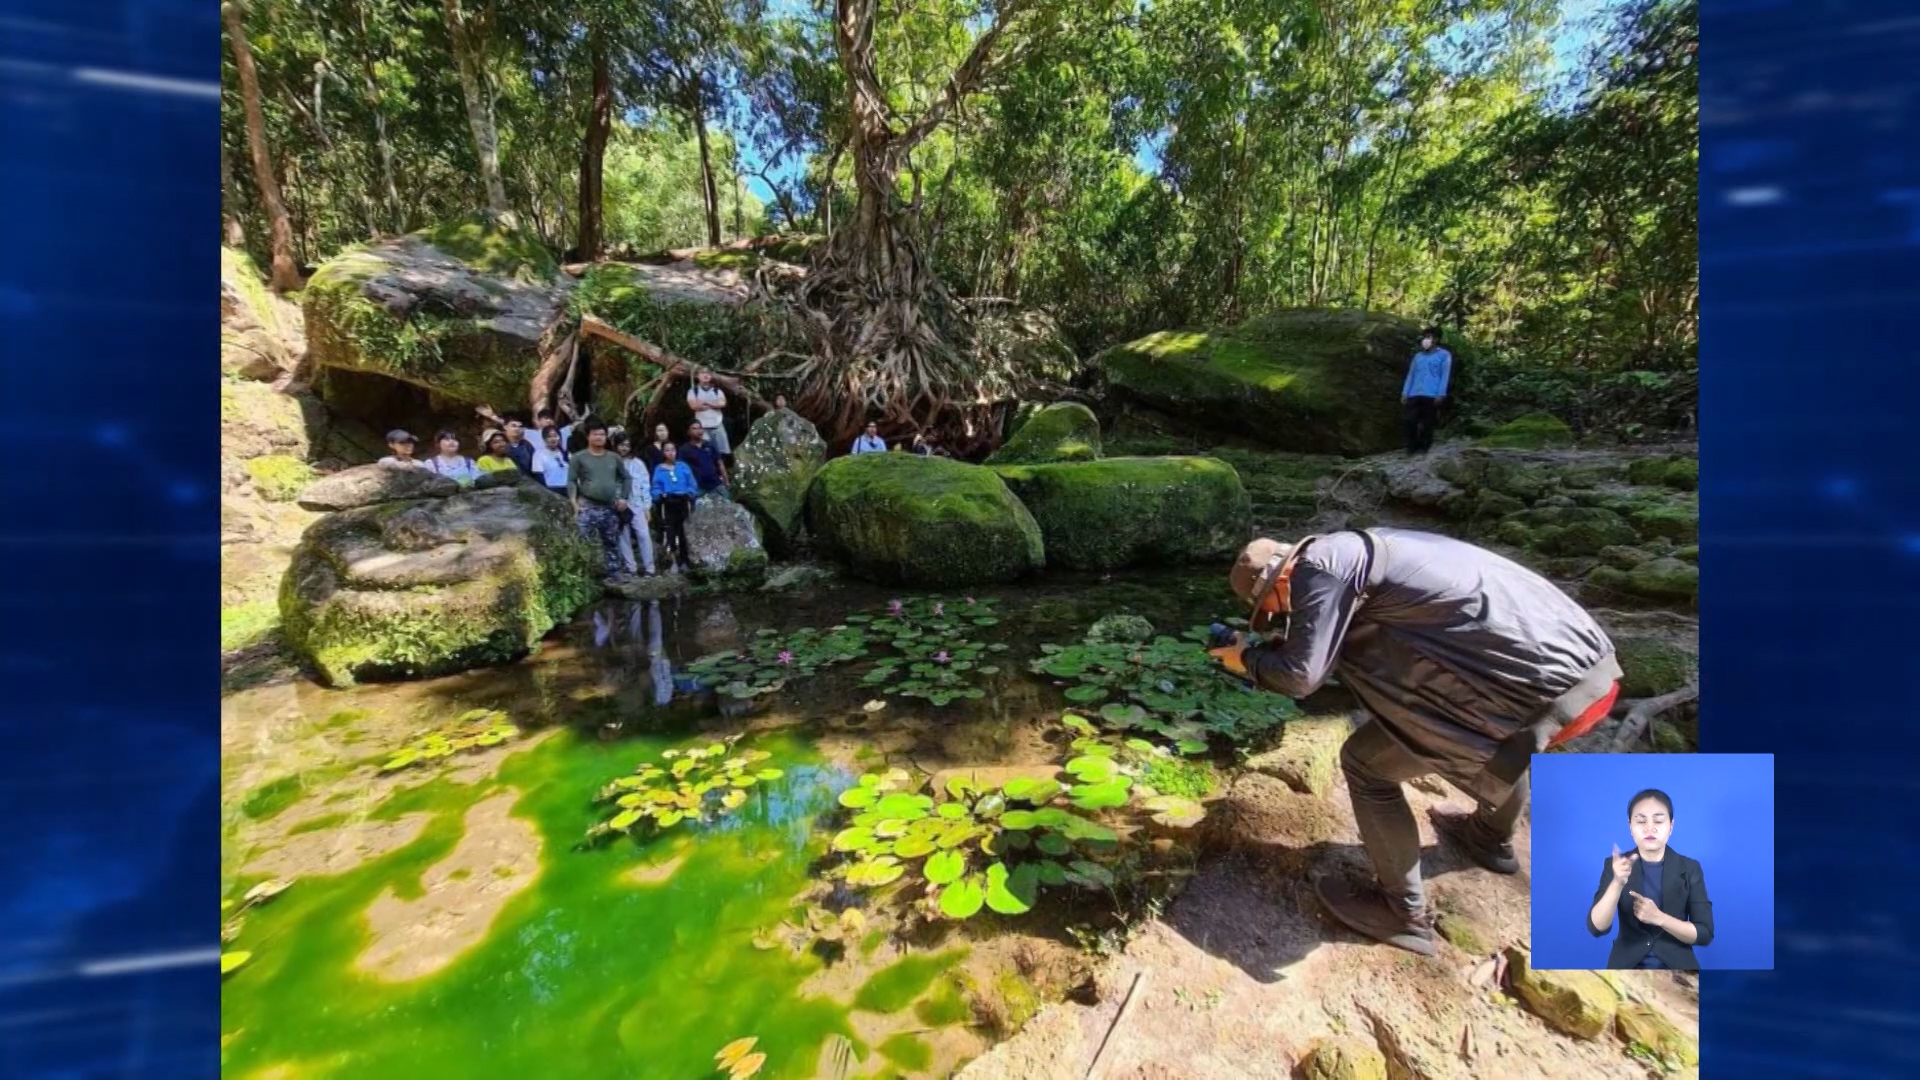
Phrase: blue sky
{"type": "Point", "coordinates": [1570, 41]}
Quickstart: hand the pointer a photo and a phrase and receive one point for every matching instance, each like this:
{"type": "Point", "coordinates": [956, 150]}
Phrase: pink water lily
{"type": "Point", "coordinates": [785, 657]}
{"type": "Point", "coordinates": [971, 600]}
{"type": "Point", "coordinates": [893, 607]}
{"type": "Point", "coordinates": [940, 657]}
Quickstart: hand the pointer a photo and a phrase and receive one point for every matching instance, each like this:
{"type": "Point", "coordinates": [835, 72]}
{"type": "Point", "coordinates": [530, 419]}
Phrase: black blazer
{"type": "Point", "coordinates": [1683, 894]}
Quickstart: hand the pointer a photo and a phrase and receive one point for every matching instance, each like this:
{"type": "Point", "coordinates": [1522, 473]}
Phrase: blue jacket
{"type": "Point", "coordinates": [1428, 374]}
{"type": "Point", "coordinates": [674, 479]}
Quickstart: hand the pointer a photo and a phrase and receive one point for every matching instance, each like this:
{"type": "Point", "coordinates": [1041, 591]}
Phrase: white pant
{"type": "Point", "coordinates": [639, 527]}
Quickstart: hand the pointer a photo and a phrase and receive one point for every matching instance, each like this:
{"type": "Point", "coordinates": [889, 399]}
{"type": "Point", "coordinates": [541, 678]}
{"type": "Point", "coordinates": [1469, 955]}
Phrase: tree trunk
{"type": "Point", "coordinates": [479, 102]}
{"type": "Point", "coordinates": [709, 192]}
{"type": "Point", "coordinates": [370, 82]}
{"type": "Point", "coordinates": [593, 155]}
{"type": "Point", "coordinates": [285, 275]}
{"type": "Point", "coordinates": [231, 232]}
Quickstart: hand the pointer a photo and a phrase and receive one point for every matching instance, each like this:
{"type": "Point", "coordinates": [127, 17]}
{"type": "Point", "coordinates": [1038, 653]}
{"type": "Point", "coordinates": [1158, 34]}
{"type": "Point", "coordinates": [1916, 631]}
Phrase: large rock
{"type": "Point", "coordinates": [1102, 515]}
{"type": "Point", "coordinates": [1652, 666]}
{"type": "Point", "coordinates": [1534, 431]}
{"type": "Point", "coordinates": [1323, 381]}
{"type": "Point", "coordinates": [1344, 1057]}
{"type": "Point", "coordinates": [1065, 431]}
{"type": "Point", "coordinates": [1567, 530]}
{"type": "Point", "coordinates": [365, 485]}
{"type": "Point", "coordinates": [1645, 1028]}
{"type": "Point", "coordinates": [724, 541]}
{"type": "Point", "coordinates": [432, 586]}
{"type": "Point", "coordinates": [771, 471]}
{"type": "Point", "coordinates": [907, 519]}
{"type": "Point", "coordinates": [459, 309]}
{"type": "Point", "coordinates": [260, 334]}
{"type": "Point", "coordinates": [256, 420]}
{"type": "Point", "coordinates": [1579, 1003]}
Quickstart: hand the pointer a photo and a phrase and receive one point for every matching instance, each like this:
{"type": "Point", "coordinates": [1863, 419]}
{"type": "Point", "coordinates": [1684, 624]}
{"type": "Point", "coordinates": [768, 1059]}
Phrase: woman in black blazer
{"type": "Point", "coordinates": [1660, 894]}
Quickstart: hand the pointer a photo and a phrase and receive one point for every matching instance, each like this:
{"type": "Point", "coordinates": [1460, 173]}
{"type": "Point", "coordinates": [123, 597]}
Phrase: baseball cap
{"type": "Point", "coordinates": [400, 435]}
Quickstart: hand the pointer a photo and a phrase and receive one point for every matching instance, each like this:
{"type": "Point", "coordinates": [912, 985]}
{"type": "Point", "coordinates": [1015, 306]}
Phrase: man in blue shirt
{"type": "Point", "coordinates": [1425, 389]}
{"type": "Point", "coordinates": [701, 456]}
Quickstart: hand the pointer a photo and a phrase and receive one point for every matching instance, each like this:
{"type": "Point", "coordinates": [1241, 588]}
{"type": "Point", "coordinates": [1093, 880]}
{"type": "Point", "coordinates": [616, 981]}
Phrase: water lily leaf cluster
{"type": "Point", "coordinates": [476, 729]}
{"type": "Point", "coordinates": [936, 659]}
{"type": "Point", "coordinates": [697, 785]}
{"type": "Point", "coordinates": [980, 847]}
{"type": "Point", "coordinates": [1167, 687]}
{"type": "Point", "coordinates": [771, 660]}
{"type": "Point", "coordinates": [1100, 763]}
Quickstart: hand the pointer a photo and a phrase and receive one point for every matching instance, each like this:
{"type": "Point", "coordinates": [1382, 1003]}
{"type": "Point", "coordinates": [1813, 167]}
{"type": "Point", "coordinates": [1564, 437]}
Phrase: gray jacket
{"type": "Point", "coordinates": [1455, 650]}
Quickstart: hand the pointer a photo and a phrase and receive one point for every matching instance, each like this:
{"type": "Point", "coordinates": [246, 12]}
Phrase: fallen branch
{"type": "Point", "coordinates": [552, 363]}
{"type": "Point", "coordinates": [1643, 713]}
{"type": "Point", "coordinates": [1106, 1041]}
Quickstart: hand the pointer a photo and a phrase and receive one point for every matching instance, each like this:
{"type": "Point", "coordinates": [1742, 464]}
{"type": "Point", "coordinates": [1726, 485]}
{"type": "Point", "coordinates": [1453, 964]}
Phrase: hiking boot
{"type": "Point", "coordinates": [1366, 909]}
{"type": "Point", "coordinates": [1468, 836]}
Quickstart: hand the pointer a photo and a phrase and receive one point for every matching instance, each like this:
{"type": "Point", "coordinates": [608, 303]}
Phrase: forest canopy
{"type": "Point", "coordinates": [1126, 167]}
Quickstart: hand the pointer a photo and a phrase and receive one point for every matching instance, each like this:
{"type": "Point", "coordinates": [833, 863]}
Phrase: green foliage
{"type": "Point", "coordinates": [713, 335]}
{"type": "Point", "coordinates": [1167, 687]}
{"type": "Point", "coordinates": [476, 729]}
{"type": "Point", "coordinates": [280, 477]}
{"type": "Point", "coordinates": [246, 625]}
{"type": "Point", "coordinates": [937, 659]}
{"type": "Point", "coordinates": [770, 661]}
{"type": "Point", "coordinates": [1534, 431]}
{"type": "Point", "coordinates": [699, 784]}
{"type": "Point", "coordinates": [493, 248]}
{"type": "Point", "coordinates": [270, 798]}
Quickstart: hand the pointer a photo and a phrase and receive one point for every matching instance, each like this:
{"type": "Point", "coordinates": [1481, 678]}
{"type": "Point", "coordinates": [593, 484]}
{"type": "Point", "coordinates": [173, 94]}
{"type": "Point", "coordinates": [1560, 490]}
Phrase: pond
{"type": "Point", "coordinates": [451, 919]}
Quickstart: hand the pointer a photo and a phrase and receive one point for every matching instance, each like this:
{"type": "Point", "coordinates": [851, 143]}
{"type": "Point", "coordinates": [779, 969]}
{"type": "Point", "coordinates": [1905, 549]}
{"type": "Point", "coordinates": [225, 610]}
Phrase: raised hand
{"type": "Point", "coordinates": [1622, 865]}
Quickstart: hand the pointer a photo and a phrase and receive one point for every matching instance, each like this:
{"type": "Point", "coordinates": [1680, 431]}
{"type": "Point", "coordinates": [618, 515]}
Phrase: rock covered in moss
{"type": "Point", "coordinates": [428, 587]}
{"type": "Point", "coordinates": [1665, 579]}
{"type": "Point", "coordinates": [1679, 522]}
{"type": "Point", "coordinates": [723, 541]}
{"type": "Point", "coordinates": [1474, 469]}
{"type": "Point", "coordinates": [366, 485]}
{"type": "Point", "coordinates": [1343, 1057]}
{"type": "Point", "coordinates": [1534, 431]}
{"type": "Point", "coordinates": [1567, 530]}
{"type": "Point", "coordinates": [1667, 738]}
{"type": "Point", "coordinates": [1115, 629]}
{"type": "Point", "coordinates": [1305, 757]}
{"type": "Point", "coordinates": [279, 477]}
{"type": "Point", "coordinates": [459, 309]}
{"type": "Point", "coordinates": [1316, 380]}
{"type": "Point", "coordinates": [1623, 557]}
{"type": "Point", "coordinates": [771, 471]}
{"type": "Point", "coordinates": [256, 420]}
{"type": "Point", "coordinates": [1682, 473]}
{"type": "Point", "coordinates": [1104, 515]}
{"type": "Point", "coordinates": [1579, 1003]}
{"type": "Point", "coordinates": [1652, 666]}
{"type": "Point", "coordinates": [260, 334]}
{"type": "Point", "coordinates": [907, 519]}
{"type": "Point", "coordinates": [1647, 1028]}
{"type": "Point", "coordinates": [1063, 431]}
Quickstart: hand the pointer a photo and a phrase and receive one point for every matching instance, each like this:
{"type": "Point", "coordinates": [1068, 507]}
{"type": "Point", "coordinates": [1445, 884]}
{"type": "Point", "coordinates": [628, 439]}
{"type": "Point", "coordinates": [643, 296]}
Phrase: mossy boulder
{"type": "Point", "coordinates": [1623, 557]}
{"type": "Point", "coordinates": [1344, 1057]}
{"type": "Point", "coordinates": [1679, 522]}
{"type": "Point", "coordinates": [459, 309]}
{"type": "Point", "coordinates": [1534, 431]}
{"type": "Point", "coordinates": [433, 586]}
{"type": "Point", "coordinates": [279, 477]}
{"type": "Point", "coordinates": [260, 335]}
{"type": "Point", "coordinates": [1652, 666]}
{"type": "Point", "coordinates": [693, 310]}
{"type": "Point", "coordinates": [1579, 1003]}
{"type": "Point", "coordinates": [1314, 380]}
{"type": "Point", "coordinates": [771, 471]}
{"type": "Point", "coordinates": [1474, 469]}
{"type": "Point", "coordinates": [366, 485]}
{"type": "Point", "coordinates": [1665, 579]}
{"type": "Point", "coordinates": [1103, 515]}
{"type": "Point", "coordinates": [1306, 756]}
{"type": "Point", "coordinates": [1064, 431]}
{"type": "Point", "coordinates": [1667, 738]}
{"type": "Point", "coordinates": [1645, 1028]}
{"type": "Point", "coordinates": [912, 520]}
{"type": "Point", "coordinates": [1682, 473]}
{"type": "Point", "coordinates": [723, 542]}
{"type": "Point", "coordinates": [257, 420]}
{"type": "Point", "coordinates": [1567, 530]}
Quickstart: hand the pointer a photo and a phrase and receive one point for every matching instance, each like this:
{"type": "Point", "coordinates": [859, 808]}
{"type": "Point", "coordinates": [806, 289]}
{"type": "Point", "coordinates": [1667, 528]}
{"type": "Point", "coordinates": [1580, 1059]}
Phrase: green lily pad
{"type": "Point", "coordinates": [964, 898]}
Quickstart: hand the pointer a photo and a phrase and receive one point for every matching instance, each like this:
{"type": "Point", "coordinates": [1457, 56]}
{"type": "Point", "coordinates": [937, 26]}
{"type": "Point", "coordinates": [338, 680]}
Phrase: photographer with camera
{"type": "Point", "coordinates": [1467, 663]}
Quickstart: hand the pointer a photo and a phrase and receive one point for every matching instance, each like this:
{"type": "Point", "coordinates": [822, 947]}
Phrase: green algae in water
{"type": "Point", "coordinates": [267, 800]}
{"type": "Point", "coordinates": [583, 974]}
{"type": "Point", "coordinates": [944, 1006]}
{"type": "Point", "coordinates": [907, 1052]}
{"type": "Point", "coordinates": [895, 987]}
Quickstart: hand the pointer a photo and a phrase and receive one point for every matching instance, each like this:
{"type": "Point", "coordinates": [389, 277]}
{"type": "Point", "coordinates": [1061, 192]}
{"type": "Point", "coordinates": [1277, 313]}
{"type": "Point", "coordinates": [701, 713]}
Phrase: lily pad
{"type": "Point", "coordinates": [964, 898]}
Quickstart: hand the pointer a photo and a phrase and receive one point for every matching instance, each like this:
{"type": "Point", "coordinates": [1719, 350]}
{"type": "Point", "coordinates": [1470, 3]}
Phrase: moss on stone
{"type": "Point", "coordinates": [907, 519]}
{"type": "Point", "coordinates": [1463, 934]}
{"type": "Point", "coordinates": [725, 259]}
{"type": "Point", "coordinates": [1682, 473]}
{"type": "Point", "coordinates": [280, 477]}
{"type": "Point", "coordinates": [1665, 579]}
{"type": "Point", "coordinates": [1579, 1003]}
{"type": "Point", "coordinates": [1623, 557]}
{"type": "Point", "coordinates": [1534, 431]}
{"type": "Point", "coordinates": [1674, 521]}
{"type": "Point", "coordinates": [772, 469]}
{"type": "Point", "coordinates": [1652, 666]}
{"type": "Point", "coordinates": [705, 333]}
{"type": "Point", "coordinates": [1104, 515]}
{"type": "Point", "coordinates": [1314, 380]}
{"type": "Point", "coordinates": [1061, 432]}
{"type": "Point", "coordinates": [493, 248]}
{"type": "Point", "coordinates": [1119, 628]}
{"type": "Point", "coordinates": [1567, 530]}
{"type": "Point", "coordinates": [1344, 1057]}
{"type": "Point", "coordinates": [243, 626]}
{"type": "Point", "coordinates": [1645, 1027]}
{"type": "Point", "coordinates": [1667, 738]}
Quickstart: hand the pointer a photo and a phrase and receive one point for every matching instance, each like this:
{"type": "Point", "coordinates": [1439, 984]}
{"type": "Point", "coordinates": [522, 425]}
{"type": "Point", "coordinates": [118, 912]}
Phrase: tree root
{"type": "Point", "coordinates": [1640, 714]}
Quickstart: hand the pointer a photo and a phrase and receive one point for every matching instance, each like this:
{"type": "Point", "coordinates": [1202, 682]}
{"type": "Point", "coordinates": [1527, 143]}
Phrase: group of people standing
{"type": "Point", "coordinates": [620, 492]}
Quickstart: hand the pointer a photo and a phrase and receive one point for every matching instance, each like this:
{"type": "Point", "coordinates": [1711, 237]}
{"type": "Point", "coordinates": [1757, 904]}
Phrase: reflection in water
{"type": "Point", "coordinates": [661, 667]}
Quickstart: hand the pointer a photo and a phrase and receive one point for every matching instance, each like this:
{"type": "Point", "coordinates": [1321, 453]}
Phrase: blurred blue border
{"type": "Point", "coordinates": [1810, 273]}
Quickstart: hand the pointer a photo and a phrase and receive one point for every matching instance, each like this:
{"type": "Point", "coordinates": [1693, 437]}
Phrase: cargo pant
{"type": "Point", "coordinates": [601, 524]}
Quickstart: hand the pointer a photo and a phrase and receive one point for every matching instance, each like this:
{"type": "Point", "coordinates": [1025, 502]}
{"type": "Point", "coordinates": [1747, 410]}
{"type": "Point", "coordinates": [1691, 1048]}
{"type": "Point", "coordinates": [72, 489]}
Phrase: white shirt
{"type": "Point", "coordinates": [460, 470]}
{"type": "Point", "coordinates": [551, 465]}
{"type": "Point", "coordinates": [392, 462]}
{"type": "Point", "coordinates": [642, 485]}
{"type": "Point", "coordinates": [705, 402]}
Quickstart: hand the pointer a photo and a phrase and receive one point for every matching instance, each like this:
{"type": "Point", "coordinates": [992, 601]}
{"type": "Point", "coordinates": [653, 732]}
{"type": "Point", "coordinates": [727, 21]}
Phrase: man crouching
{"type": "Point", "coordinates": [1467, 663]}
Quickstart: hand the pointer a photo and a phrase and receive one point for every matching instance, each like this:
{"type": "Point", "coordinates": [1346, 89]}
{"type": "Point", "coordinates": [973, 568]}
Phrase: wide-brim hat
{"type": "Point", "coordinates": [1253, 560]}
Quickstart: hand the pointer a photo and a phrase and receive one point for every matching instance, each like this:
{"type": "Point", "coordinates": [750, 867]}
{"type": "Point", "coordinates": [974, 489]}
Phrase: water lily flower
{"type": "Point", "coordinates": [939, 610]}
{"type": "Point", "coordinates": [785, 657]}
{"type": "Point", "coordinates": [970, 600]}
{"type": "Point", "coordinates": [940, 657]}
{"type": "Point", "coordinates": [893, 607]}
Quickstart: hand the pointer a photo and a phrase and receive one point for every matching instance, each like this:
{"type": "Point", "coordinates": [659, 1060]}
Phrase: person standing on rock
{"type": "Point", "coordinates": [1424, 390]}
{"type": "Point", "coordinates": [1467, 663]}
{"type": "Point", "coordinates": [400, 441]}
{"type": "Point", "coordinates": [634, 529]}
{"type": "Point", "coordinates": [450, 462]}
{"type": "Point", "coordinates": [709, 405]}
{"type": "Point", "coordinates": [600, 489]}
{"type": "Point", "coordinates": [674, 490]}
{"type": "Point", "coordinates": [701, 456]}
